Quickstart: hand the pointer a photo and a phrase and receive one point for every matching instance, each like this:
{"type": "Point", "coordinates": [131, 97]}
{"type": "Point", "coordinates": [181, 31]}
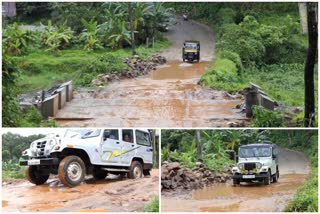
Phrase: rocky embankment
{"type": "Point", "coordinates": [174, 177]}
{"type": "Point", "coordinates": [136, 67]}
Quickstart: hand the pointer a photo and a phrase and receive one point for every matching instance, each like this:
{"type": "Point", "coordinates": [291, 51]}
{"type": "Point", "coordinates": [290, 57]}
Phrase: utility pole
{"type": "Point", "coordinates": [131, 28]}
{"type": "Point", "coordinates": [199, 146]}
{"type": "Point", "coordinates": [309, 106]}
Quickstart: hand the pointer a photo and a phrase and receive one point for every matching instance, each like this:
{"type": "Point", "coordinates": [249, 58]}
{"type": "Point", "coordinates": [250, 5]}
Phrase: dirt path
{"type": "Point", "coordinates": [110, 195]}
{"type": "Point", "coordinates": [247, 197]}
{"type": "Point", "coordinates": [167, 97]}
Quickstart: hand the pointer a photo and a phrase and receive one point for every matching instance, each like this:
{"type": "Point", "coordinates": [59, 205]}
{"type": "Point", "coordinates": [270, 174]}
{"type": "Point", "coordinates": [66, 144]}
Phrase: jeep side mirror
{"type": "Point", "coordinates": [274, 156]}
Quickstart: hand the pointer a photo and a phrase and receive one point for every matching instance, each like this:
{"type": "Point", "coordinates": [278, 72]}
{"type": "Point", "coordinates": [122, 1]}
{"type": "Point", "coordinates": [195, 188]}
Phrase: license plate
{"type": "Point", "coordinates": [249, 176]}
{"type": "Point", "coordinates": [34, 162]}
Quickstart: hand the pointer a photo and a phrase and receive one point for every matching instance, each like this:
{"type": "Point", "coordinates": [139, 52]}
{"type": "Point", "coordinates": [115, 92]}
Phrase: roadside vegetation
{"type": "Point", "coordinates": [12, 146]}
{"type": "Point", "coordinates": [153, 205]}
{"type": "Point", "coordinates": [73, 41]}
{"type": "Point", "coordinates": [220, 146]}
{"type": "Point", "coordinates": [259, 43]}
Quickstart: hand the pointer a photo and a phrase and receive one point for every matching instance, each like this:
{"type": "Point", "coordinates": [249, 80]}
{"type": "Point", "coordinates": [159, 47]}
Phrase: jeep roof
{"type": "Point", "coordinates": [259, 144]}
{"type": "Point", "coordinates": [191, 41]}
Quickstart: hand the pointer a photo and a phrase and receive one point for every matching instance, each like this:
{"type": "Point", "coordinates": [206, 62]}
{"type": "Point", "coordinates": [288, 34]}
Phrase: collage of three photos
{"type": "Point", "coordinates": [159, 106]}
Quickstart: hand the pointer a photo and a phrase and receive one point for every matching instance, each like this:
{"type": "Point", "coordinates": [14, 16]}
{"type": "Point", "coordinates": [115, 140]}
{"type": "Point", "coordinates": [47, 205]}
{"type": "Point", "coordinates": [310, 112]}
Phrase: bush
{"type": "Point", "coordinates": [153, 205]}
{"type": "Point", "coordinates": [223, 74]}
{"type": "Point", "coordinates": [265, 118]}
{"type": "Point", "coordinates": [234, 57]}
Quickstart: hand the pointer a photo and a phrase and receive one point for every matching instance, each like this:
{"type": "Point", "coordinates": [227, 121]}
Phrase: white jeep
{"type": "Point", "coordinates": [89, 151]}
{"type": "Point", "coordinates": [257, 162]}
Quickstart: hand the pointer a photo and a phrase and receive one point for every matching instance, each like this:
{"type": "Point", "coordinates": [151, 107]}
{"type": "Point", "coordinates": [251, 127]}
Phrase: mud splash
{"type": "Point", "coordinates": [247, 197]}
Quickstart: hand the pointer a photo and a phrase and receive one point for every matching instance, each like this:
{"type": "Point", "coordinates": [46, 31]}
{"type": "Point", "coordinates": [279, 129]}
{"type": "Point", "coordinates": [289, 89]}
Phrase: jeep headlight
{"type": "Point", "coordinates": [240, 165]}
{"type": "Point", "coordinates": [33, 146]}
{"type": "Point", "coordinates": [259, 165]}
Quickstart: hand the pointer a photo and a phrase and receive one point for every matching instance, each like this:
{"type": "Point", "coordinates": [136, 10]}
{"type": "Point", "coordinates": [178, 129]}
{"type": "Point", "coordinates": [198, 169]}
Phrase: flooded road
{"type": "Point", "coordinates": [168, 97]}
{"type": "Point", "coordinates": [248, 197]}
{"type": "Point", "coordinates": [110, 195]}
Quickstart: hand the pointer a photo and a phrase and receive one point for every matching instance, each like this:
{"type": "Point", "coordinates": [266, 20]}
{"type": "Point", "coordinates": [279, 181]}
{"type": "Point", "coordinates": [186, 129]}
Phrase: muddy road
{"type": "Point", "coordinates": [167, 97]}
{"type": "Point", "coordinates": [109, 195]}
{"type": "Point", "coordinates": [255, 197]}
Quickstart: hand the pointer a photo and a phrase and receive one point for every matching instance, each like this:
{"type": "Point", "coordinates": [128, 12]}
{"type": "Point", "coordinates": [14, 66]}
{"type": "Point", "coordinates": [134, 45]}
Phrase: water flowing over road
{"type": "Point", "coordinates": [168, 97]}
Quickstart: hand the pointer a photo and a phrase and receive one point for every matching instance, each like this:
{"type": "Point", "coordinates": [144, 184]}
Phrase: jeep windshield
{"type": "Point", "coordinates": [254, 151]}
{"type": "Point", "coordinates": [191, 46]}
{"type": "Point", "coordinates": [82, 133]}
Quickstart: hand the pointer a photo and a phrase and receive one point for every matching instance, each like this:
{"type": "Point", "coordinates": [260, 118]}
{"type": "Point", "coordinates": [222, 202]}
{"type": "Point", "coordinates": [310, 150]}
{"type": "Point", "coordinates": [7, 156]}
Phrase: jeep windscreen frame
{"type": "Point", "coordinates": [255, 151]}
{"type": "Point", "coordinates": [82, 133]}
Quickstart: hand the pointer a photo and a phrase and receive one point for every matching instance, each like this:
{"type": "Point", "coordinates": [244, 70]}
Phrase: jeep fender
{"type": "Point", "coordinates": [235, 170]}
{"type": "Point", "coordinates": [264, 169]}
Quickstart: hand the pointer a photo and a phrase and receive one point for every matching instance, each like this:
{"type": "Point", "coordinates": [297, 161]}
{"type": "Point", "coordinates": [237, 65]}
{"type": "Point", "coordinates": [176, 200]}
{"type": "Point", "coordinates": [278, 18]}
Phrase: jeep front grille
{"type": "Point", "coordinates": [249, 166]}
{"type": "Point", "coordinates": [40, 148]}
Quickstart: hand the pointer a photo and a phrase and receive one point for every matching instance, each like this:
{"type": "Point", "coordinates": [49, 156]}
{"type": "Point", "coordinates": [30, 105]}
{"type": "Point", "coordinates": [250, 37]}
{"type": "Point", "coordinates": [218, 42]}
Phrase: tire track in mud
{"type": "Point", "coordinates": [251, 197]}
{"type": "Point", "coordinates": [112, 195]}
{"type": "Point", "coordinates": [167, 97]}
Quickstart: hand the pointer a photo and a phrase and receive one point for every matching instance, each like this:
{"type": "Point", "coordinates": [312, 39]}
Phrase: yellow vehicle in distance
{"type": "Point", "coordinates": [191, 51]}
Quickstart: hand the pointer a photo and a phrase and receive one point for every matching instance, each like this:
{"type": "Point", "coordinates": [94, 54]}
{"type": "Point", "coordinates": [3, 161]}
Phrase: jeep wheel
{"type": "Point", "coordinates": [236, 181]}
{"type": "Point", "coordinates": [267, 180]}
{"type": "Point", "coordinates": [275, 177]}
{"type": "Point", "coordinates": [99, 174]}
{"type": "Point", "coordinates": [71, 171]}
{"type": "Point", "coordinates": [135, 170]}
{"type": "Point", "coordinates": [34, 175]}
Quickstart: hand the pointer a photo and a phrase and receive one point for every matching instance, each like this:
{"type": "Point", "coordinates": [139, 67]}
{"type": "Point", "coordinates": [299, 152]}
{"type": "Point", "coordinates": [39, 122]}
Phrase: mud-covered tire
{"type": "Point", "coordinates": [71, 171]}
{"type": "Point", "coordinates": [275, 176]}
{"type": "Point", "coordinates": [99, 174]}
{"type": "Point", "coordinates": [135, 170]}
{"type": "Point", "coordinates": [34, 175]}
{"type": "Point", "coordinates": [236, 182]}
{"type": "Point", "coordinates": [267, 180]}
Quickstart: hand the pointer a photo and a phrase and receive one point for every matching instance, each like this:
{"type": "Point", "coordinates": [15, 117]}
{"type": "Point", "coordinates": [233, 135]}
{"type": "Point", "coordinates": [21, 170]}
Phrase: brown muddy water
{"type": "Point", "coordinates": [111, 195]}
{"type": "Point", "coordinates": [168, 97]}
{"type": "Point", "coordinates": [248, 197]}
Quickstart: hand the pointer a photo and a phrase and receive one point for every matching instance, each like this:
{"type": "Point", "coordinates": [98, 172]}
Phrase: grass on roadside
{"type": "Point", "coordinates": [153, 205]}
{"type": "Point", "coordinates": [41, 69]}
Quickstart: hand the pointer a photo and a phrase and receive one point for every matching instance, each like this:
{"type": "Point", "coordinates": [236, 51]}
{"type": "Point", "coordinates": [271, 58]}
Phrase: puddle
{"type": "Point", "coordinates": [179, 70]}
{"type": "Point", "coordinates": [250, 190]}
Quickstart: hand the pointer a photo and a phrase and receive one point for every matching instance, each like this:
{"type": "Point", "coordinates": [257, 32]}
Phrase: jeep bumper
{"type": "Point", "coordinates": [40, 162]}
{"type": "Point", "coordinates": [249, 177]}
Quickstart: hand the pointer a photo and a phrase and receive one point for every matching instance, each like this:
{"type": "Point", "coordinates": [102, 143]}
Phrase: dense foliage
{"type": "Point", "coordinates": [262, 41]}
{"type": "Point", "coordinates": [12, 146]}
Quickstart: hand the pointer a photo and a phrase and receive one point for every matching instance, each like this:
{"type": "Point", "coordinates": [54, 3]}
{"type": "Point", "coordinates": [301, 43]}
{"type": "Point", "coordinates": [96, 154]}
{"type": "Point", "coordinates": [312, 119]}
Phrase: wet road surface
{"type": "Point", "coordinates": [167, 97]}
{"type": "Point", "coordinates": [112, 195]}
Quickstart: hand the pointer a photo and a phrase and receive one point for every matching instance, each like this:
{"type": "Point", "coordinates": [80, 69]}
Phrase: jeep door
{"type": "Point", "coordinates": [274, 160]}
{"type": "Point", "coordinates": [143, 141]}
{"type": "Point", "coordinates": [111, 147]}
{"type": "Point", "coordinates": [128, 146]}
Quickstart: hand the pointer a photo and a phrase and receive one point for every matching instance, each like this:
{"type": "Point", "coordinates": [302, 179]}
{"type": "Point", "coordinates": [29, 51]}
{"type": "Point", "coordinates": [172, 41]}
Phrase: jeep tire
{"type": "Point", "coordinates": [71, 171]}
{"type": "Point", "coordinates": [135, 170]}
{"type": "Point", "coordinates": [99, 174]}
{"type": "Point", "coordinates": [275, 177]}
{"type": "Point", "coordinates": [236, 181]}
{"type": "Point", "coordinates": [35, 176]}
{"type": "Point", "coordinates": [267, 180]}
